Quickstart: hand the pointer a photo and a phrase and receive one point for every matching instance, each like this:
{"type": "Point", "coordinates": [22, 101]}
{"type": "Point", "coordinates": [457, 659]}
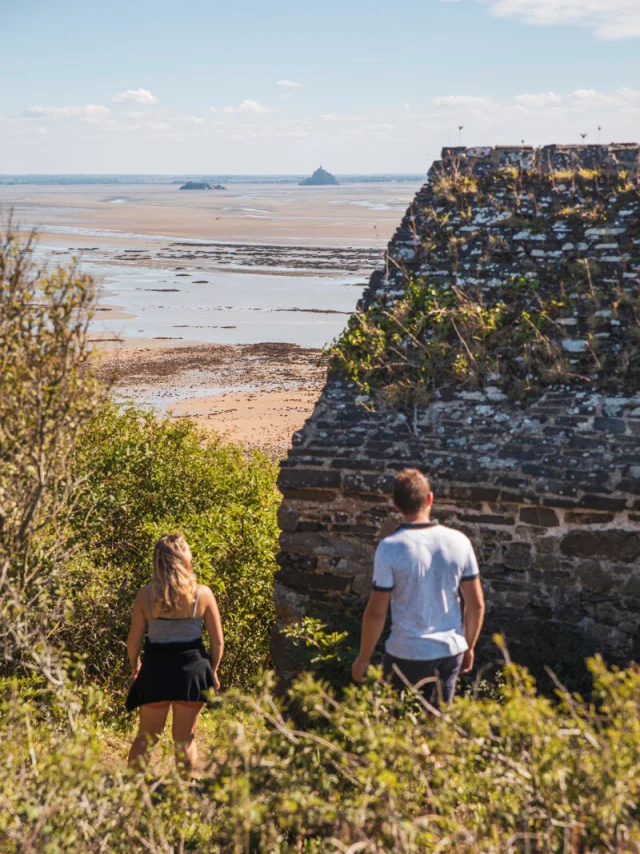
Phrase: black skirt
{"type": "Point", "coordinates": [172, 671]}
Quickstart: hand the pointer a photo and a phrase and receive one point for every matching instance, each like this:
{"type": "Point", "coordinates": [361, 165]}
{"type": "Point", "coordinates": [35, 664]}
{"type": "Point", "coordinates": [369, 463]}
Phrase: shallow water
{"type": "Point", "coordinates": [227, 308]}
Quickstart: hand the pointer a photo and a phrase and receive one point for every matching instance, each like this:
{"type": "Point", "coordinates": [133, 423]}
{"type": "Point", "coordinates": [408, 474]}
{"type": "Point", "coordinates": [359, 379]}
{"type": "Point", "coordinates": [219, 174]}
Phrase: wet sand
{"type": "Point", "coordinates": [257, 394]}
{"type": "Point", "coordinates": [347, 215]}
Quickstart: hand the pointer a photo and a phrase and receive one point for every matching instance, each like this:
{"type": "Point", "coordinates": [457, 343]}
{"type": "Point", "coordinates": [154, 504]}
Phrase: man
{"type": "Point", "coordinates": [421, 571]}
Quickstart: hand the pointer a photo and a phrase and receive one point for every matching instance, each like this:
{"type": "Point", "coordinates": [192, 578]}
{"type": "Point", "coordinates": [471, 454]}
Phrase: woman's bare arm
{"type": "Point", "coordinates": [213, 624]}
{"type": "Point", "coordinates": [136, 632]}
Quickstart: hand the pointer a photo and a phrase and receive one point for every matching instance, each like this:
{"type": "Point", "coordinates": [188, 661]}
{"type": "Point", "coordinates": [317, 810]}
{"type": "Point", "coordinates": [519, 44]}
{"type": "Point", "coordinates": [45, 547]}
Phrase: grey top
{"type": "Point", "coordinates": [422, 565]}
{"type": "Point", "coordinates": [174, 629]}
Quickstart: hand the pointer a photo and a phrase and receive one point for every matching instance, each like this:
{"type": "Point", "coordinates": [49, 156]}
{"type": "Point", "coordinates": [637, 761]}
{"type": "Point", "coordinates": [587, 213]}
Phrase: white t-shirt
{"type": "Point", "coordinates": [423, 565]}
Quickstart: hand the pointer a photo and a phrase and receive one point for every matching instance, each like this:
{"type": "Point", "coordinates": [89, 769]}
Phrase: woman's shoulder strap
{"type": "Point", "coordinates": [195, 604]}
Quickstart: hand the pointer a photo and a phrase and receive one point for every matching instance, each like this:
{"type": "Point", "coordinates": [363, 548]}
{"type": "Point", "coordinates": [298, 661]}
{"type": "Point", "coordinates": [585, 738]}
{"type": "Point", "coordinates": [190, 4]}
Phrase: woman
{"type": "Point", "coordinates": [175, 669]}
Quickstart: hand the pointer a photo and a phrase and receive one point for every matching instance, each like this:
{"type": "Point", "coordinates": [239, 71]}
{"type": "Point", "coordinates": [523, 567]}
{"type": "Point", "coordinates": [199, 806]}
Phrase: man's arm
{"type": "Point", "coordinates": [473, 619]}
{"type": "Point", "coordinates": [373, 621]}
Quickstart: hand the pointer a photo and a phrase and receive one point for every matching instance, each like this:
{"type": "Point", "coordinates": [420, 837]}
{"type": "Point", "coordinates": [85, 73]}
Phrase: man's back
{"type": "Point", "coordinates": [423, 565]}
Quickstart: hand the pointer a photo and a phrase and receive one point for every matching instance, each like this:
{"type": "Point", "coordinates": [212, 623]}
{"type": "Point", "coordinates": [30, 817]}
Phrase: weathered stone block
{"type": "Point", "coordinates": [592, 576]}
{"type": "Point", "coordinates": [610, 545]}
{"type": "Point", "coordinates": [291, 560]}
{"type": "Point", "coordinates": [602, 502]}
{"type": "Point", "coordinates": [324, 543]}
{"type": "Point", "coordinates": [309, 479]}
{"type": "Point", "coordinates": [315, 495]}
{"type": "Point", "coordinates": [518, 556]}
{"type": "Point", "coordinates": [288, 516]}
{"type": "Point", "coordinates": [487, 519]}
{"type": "Point", "coordinates": [311, 580]}
{"type": "Point", "coordinates": [610, 425]}
{"type": "Point", "coordinates": [582, 518]}
{"type": "Point", "coordinates": [290, 604]}
{"type": "Point", "coordinates": [543, 517]}
{"type": "Point", "coordinates": [372, 484]}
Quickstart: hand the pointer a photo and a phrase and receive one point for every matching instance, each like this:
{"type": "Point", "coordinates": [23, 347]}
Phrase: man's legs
{"type": "Point", "coordinates": [436, 679]}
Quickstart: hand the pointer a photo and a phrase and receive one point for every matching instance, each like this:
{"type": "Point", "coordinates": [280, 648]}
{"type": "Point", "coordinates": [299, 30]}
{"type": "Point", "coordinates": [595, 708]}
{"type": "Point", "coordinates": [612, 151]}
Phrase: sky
{"type": "Point", "coordinates": [359, 86]}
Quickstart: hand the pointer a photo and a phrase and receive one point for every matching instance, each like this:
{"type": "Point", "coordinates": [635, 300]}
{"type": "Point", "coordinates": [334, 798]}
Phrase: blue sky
{"type": "Point", "coordinates": [203, 87]}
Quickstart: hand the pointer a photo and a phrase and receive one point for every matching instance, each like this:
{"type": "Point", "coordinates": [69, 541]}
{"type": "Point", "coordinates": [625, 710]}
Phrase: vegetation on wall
{"type": "Point", "coordinates": [485, 315]}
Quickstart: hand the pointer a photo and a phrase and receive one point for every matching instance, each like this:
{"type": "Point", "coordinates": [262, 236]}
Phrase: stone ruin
{"type": "Point", "coordinates": [547, 484]}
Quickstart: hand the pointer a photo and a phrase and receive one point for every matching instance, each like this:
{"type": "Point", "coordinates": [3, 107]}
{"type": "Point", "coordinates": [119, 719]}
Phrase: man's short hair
{"type": "Point", "coordinates": [411, 490]}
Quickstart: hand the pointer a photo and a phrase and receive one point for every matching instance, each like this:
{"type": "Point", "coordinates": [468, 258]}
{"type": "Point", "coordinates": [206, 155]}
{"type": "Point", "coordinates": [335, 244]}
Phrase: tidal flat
{"type": "Point", "coordinates": [270, 272]}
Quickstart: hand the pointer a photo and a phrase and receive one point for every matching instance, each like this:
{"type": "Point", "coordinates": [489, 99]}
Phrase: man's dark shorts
{"type": "Point", "coordinates": [443, 673]}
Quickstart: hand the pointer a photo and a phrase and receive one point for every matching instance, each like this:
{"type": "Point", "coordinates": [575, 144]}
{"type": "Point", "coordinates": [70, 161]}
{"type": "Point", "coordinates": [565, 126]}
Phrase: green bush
{"type": "Point", "coordinates": [141, 478]}
{"type": "Point", "coordinates": [372, 773]}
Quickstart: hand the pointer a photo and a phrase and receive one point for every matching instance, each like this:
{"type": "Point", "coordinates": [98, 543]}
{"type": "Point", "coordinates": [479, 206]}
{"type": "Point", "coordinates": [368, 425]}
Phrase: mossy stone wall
{"type": "Point", "coordinates": [546, 482]}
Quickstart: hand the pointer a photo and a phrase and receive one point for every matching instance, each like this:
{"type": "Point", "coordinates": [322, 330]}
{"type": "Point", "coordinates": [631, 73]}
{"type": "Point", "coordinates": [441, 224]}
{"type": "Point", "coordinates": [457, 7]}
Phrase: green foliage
{"type": "Point", "coordinates": [434, 336]}
{"type": "Point", "coordinates": [473, 325]}
{"type": "Point", "coordinates": [47, 396]}
{"type": "Point", "coordinates": [144, 477]}
{"type": "Point", "coordinates": [324, 653]}
{"type": "Point", "coordinates": [373, 771]}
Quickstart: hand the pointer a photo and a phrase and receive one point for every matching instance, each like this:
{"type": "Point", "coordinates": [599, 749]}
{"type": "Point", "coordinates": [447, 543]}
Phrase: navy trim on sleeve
{"type": "Point", "coordinates": [470, 577]}
{"type": "Point", "coordinates": [382, 589]}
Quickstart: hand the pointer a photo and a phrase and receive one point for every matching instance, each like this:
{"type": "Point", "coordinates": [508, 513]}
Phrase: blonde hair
{"type": "Point", "coordinates": [174, 584]}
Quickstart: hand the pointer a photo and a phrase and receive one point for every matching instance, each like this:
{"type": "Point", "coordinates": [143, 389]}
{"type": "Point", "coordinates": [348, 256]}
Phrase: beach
{"type": "Point", "coordinates": [216, 305]}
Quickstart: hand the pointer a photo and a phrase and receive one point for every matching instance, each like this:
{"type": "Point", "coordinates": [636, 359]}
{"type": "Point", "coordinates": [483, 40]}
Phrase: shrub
{"type": "Point", "coordinates": [47, 396]}
{"type": "Point", "coordinates": [373, 773]}
{"type": "Point", "coordinates": [145, 477]}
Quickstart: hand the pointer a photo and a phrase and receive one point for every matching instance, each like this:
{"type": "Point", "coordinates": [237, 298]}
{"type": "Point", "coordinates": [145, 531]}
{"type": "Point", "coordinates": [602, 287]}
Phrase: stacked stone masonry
{"type": "Point", "coordinates": [547, 490]}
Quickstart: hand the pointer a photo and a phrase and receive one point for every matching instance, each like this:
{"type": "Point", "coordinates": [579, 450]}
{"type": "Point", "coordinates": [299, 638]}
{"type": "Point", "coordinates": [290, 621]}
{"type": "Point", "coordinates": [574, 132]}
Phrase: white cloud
{"type": "Point", "coordinates": [193, 120]}
{"type": "Point", "coordinates": [331, 117]}
{"type": "Point", "coordinates": [582, 99]}
{"type": "Point", "coordinates": [157, 125]}
{"type": "Point", "coordinates": [463, 102]}
{"type": "Point", "coordinates": [610, 19]}
{"type": "Point", "coordinates": [381, 126]}
{"type": "Point", "coordinates": [135, 96]}
{"type": "Point", "coordinates": [40, 130]}
{"type": "Point", "coordinates": [407, 107]}
{"type": "Point", "coordinates": [618, 99]}
{"type": "Point", "coordinates": [248, 106]}
{"type": "Point", "coordinates": [291, 84]}
{"type": "Point", "coordinates": [89, 111]}
{"type": "Point", "coordinates": [526, 114]}
{"type": "Point", "coordinates": [535, 102]}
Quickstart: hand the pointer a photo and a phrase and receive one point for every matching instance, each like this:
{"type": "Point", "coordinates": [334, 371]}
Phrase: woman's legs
{"type": "Point", "coordinates": [153, 717]}
{"type": "Point", "coordinates": [185, 720]}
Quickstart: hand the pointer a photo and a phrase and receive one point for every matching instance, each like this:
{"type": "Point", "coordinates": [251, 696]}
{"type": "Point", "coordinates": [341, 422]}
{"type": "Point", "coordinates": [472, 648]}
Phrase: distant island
{"type": "Point", "coordinates": [200, 185]}
{"type": "Point", "coordinates": [320, 178]}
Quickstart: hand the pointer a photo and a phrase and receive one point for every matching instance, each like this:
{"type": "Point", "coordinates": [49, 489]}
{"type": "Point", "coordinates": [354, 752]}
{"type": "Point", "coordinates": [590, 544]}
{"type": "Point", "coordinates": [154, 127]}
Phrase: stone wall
{"type": "Point", "coordinates": [548, 489]}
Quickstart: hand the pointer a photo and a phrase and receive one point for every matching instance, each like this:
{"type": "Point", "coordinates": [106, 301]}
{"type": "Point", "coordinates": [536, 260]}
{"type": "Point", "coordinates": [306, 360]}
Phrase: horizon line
{"type": "Point", "coordinates": [204, 174]}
